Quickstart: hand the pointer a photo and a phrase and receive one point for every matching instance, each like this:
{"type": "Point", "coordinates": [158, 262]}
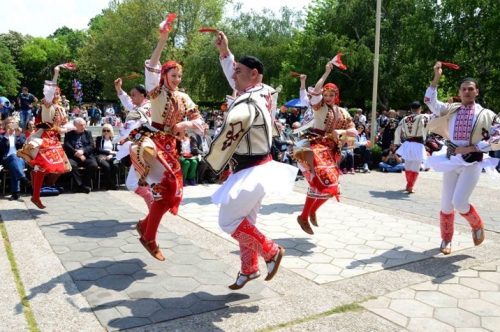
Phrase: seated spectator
{"type": "Point", "coordinates": [362, 147]}
{"type": "Point", "coordinates": [347, 157]}
{"type": "Point", "coordinates": [189, 162]}
{"type": "Point", "coordinates": [30, 129]}
{"type": "Point", "coordinates": [201, 146]}
{"type": "Point", "coordinates": [391, 161]}
{"type": "Point", "coordinates": [105, 152]}
{"type": "Point", "coordinates": [11, 141]}
{"type": "Point", "coordinates": [79, 148]}
{"type": "Point", "coordinates": [282, 145]}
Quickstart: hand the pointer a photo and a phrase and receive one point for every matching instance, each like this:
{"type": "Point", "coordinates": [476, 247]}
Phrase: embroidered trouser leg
{"type": "Point", "coordinates": [447, 225]}
{"type": "Point", "coordinates": [251, 238]}
{"type": "Point", "coordinates": [473, 218]}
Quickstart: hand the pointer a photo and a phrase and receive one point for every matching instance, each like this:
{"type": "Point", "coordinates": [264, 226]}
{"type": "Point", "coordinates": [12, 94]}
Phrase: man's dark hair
{"type": "Point", "coordinates": [24, 88]}
{"type": "Point", "coordinates": [142, 89]}
{"type": "Point", "coordinates": [469, 79]}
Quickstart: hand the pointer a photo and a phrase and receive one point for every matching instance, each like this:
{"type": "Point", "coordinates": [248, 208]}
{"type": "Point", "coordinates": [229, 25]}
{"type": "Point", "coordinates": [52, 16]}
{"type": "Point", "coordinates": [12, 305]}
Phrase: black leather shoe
{"type": "Point", "coordinates": [14, 197]}
{"type": "Point", "coordinates": [25, 182]}
{"type": "Point", "coordinates": [84, 189]}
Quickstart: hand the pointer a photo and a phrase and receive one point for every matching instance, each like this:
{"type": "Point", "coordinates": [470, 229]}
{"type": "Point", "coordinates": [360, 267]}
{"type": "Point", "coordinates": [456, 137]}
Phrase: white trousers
{"type": "Point", "coordinates": [245, 206]}
{"type": "Point", "coordinates": [413, 165]}
{"type": "Point", "coordinates": [458, 185]}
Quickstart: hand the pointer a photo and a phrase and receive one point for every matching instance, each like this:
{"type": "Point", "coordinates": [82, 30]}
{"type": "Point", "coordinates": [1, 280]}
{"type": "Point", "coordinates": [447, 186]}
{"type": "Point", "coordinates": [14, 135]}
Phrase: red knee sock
{"type": "Point", "coordinates": [249, 260]}
{"type": "Point", "coordinates": [317, 205]}
{"type": "Point", "coordinates": [152, 221]}
{"type": "Point", "coordinates": [37, 184]}
{"type": "Point", "coordinates": [473, 218]}
{"type": "Point", "coordinates": [447, 224]}
{"type": "Point", "coordinates": [307, 207]}
{"type": "Point", "coordinates": [250, 237]}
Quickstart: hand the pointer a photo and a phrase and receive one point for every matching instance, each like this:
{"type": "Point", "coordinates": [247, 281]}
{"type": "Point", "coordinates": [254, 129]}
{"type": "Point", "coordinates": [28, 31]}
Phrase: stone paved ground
{"type": "Point", "coordinates": [378, 248]}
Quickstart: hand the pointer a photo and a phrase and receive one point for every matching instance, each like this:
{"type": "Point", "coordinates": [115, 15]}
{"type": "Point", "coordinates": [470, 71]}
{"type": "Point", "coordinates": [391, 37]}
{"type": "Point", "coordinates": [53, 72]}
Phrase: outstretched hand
{"type": "Point", "coordinates": [222, 43]}
{"type": "Point", "coordinates": [438, 68]}
{"type": "Point", "coordinates": [328, 67]}
{"type": "Point", "coordinates": [118, 83]}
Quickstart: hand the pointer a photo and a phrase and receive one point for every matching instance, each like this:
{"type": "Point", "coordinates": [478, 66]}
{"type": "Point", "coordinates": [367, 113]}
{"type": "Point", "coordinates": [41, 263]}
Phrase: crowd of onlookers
{"type": "Point", "coordinates": [356, 152]}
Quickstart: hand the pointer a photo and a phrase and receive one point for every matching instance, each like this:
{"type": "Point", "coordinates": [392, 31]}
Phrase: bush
{"type": "Point", "coordinates": [376, 155]}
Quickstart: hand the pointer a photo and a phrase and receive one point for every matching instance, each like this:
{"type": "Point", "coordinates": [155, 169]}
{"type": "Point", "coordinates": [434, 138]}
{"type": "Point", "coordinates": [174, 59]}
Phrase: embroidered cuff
{"type": "Point", "coordinates": [225, 56]}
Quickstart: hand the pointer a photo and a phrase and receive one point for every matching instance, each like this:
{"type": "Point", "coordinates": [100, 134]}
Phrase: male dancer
{"type": "Point", "coordinates": [413, 150]}
{"type": "Point", "coordinates": [470, 130]}
{"type": "Point", "coordinates": [245, 142]}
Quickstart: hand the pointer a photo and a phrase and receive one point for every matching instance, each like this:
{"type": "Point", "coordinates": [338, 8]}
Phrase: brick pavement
{"type": "Point", "coordinates": [88, 263]}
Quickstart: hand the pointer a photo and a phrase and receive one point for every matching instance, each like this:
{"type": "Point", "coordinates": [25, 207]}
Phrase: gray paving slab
{"type": "Point", "coordinates": [379, 246]}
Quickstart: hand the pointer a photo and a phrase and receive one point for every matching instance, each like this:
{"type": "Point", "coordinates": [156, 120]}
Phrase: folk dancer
{"type": "Point", "coordinates": [44, 151]}
{"type": "Point", "coordinates": [413, 127]}
{"type": "Point", "coordinates": [153, 153]}
{"type": "Point", "coordinates": [245, 142]}
{"type": "Point", "coordinates": [470, 130]}
{"type": "Point", "coordinates": [319, 153]}
{"type": "Point", "coordinates": [138, 113]}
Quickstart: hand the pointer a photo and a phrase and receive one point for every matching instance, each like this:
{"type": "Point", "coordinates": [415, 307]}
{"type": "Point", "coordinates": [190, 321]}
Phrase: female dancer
{"type": "Point", "coordinates": [153, 153]}
{"type": "Point", "coordinates": [319, 152]}
{"type": "Point", "coordinates": [44, 151]}
{"type": "Point", "coordinates": [139, 113]}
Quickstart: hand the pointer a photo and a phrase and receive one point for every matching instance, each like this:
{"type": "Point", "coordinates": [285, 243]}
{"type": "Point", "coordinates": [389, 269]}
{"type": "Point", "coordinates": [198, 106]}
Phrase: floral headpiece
{"type": "Point", "coordinates": [335, 89]}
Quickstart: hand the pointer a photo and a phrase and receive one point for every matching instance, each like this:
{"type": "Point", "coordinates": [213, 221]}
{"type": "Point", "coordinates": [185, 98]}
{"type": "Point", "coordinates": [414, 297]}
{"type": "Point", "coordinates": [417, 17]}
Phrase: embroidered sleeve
{"type": "Point", "coordinates": [304, 100]}
{"type": "Point", "coordinates": [126, 101]}
{"type": "Point", "coordinates": [437, 107]}
{"type": "Point", "coordinates": [227, 63]}
{"type": "Point", "coordinates": [152, 75]}
{"type": "Point", "coordinates": [49, 89]}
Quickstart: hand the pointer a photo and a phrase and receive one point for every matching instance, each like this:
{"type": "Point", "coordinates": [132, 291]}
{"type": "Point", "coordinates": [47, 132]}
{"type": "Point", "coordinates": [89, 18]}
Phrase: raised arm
{"type": "Point", "coordinates": [437, 107]}
{"type": "Point", "coordinates": [319, 85]}
{"type": "Point", "coordinates": [304, 99]}
{"type": "Point", "coordinates": [226, 57]}
{"type": "Point", "coordinates": [155, 57]}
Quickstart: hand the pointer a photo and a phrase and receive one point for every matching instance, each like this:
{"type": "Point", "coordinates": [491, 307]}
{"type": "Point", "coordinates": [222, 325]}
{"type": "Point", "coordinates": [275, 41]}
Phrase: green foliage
{"type": "Point", "coordinates": [9, 76]}
{"type": "Point", "coordinates": [414, 34]}
{"type": "Point", "coordinates": [376, 155]}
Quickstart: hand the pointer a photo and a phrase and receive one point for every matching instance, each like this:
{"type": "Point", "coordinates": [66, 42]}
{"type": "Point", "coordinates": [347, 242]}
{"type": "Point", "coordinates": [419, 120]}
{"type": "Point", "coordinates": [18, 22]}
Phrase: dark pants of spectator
{"type": "Point", "coordinates": [90, 165]}
{"type": "Point", "coordinates": [94, 121]}
{"type": "Point", "coordinates": [205, 174]}
{"type": "Point", "coordinates": [25, 116]}
{"type": "Point", "coordinates": [15, 165]}
{"type": "Point", "coordinates": [348, 161]}
{"type": "Point", "coordinates": [109, 169]}
{"type": "Point", "coordinates": [365, 153]}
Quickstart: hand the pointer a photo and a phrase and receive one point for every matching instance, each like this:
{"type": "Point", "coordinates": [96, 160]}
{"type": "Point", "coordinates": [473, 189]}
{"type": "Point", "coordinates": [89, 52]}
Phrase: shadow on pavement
{"type": "Point", "coordinates": [392, 194]}
{"type": "Point", "coordinates": [281, 207]}
{"type": "Point", "coordinates": [97, 229]}
{"type": "Point", "coordinates": [440, 268]}
{"type": "Point", "coordinates": [140, 312]}
{"type": "Point", "coordinates": [23, 214]}
{"type": "Point", "coordinates": [105, 274]}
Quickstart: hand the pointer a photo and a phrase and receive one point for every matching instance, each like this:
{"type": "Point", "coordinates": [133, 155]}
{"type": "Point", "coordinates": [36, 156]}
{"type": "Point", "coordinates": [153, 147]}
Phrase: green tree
{"type": "Point", "coordinates": [125, 34]}
{"type": "Point", "coordinates": [9, 76]}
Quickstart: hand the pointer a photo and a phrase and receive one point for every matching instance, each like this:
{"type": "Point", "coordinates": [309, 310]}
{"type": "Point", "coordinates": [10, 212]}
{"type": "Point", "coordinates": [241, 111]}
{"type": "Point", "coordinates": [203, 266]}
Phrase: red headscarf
{"type": "Point", "coordinates": [335, 89]}
{"type": "Point", "coordinates": [165, 68]}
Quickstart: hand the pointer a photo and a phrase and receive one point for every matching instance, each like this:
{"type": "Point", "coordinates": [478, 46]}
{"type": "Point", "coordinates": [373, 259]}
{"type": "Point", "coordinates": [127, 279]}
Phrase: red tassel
{"type": "Point", "coordinates": [169, 19]}
{"type": "Point", "coordinates": [69, 65]}
{"type": "Point", "coordinates": [211, 30]}
{"type": "Point", "coordinates": [294, 74]}
{"type": "Point", "coordinates": [450, 65]}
